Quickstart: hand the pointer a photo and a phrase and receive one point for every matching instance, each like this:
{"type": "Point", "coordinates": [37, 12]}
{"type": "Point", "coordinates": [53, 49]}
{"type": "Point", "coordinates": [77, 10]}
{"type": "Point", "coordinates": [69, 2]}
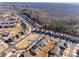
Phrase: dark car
{"type": "Point", "coordinates": [5, 34]}
{"type": "Point", "coordinates": [8, 41]}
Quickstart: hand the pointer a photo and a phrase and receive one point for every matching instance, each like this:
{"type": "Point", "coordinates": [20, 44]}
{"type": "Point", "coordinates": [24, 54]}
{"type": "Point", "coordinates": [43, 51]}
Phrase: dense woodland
{"type": "Point", "coordinates": [57, 22]}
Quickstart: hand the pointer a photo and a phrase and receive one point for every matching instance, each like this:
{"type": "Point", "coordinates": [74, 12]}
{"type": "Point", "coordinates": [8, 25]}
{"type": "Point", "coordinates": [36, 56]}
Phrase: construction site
{"type": "Point", "coordinates": [18, 38]}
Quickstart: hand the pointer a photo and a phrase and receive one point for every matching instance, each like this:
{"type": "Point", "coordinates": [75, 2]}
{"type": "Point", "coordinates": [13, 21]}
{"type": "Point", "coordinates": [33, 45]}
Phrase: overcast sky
{"type": "Point", "coordinates": [39, 1]}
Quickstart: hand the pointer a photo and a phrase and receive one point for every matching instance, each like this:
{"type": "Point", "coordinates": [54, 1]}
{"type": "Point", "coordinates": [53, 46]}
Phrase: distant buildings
{"type": "Point", "coordinates": [57, 35]}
